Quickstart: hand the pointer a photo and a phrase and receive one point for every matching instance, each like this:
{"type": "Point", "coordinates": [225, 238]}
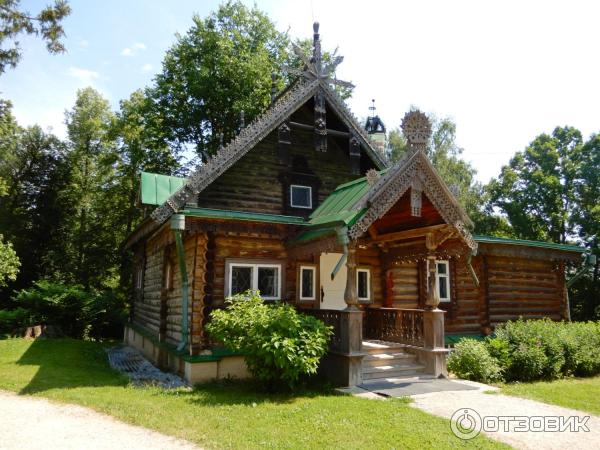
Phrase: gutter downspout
{"type": "Point", "coordinates": [472, 271]}
{"type": "Point", "coordinates": [342, 235]}
{"type": "Point", "coordinates": [178, 225]}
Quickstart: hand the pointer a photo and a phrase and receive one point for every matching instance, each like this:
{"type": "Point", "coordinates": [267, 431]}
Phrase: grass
{"type": "Point", "coordinates": [225, 415]}
{"type": "Point", "coordinates": [582, 394]}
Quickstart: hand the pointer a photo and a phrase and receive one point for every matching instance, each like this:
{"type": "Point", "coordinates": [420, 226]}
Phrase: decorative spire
{"type": "Point", "coordinates": [372, 108]}
{"type": "Point", "coordinates": [313, 65]}
{"type": "Point", "coordinates": [417, 129]}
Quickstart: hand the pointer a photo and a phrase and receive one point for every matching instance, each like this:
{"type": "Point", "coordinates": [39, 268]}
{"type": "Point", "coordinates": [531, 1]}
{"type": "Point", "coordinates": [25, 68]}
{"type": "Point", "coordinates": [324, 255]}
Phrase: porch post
{"type": "Point", "coordinates": [350, 295]}
{"type": "Point", "coordinates": [433, 296]}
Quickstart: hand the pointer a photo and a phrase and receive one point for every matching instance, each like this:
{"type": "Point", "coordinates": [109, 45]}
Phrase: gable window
{"type": "Point", "coordinates": [307, 282]}
{"type": "Point", "coordinates": [363, 284]}
{"type": "Point", "coordinates": [265, 278]}
{"type": "Point", "coordinates": [300, 196]}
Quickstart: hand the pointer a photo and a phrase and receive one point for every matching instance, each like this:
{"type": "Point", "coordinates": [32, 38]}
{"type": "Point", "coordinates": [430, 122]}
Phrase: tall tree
{"type": "Point", "coordinates": [536, 190]}
{"type": "Point", "coordinates": [220, 67]}
{"type": "Point", "coordinates": [92, 159]}
{"type": "Point", "coordinates": [14, 21]}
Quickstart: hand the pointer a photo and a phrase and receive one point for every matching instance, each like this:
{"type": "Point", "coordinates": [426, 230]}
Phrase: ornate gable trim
{"type": "Point", "coordinates": [293, 99]}
{"type": "Point", "coordinates": [394, 184]}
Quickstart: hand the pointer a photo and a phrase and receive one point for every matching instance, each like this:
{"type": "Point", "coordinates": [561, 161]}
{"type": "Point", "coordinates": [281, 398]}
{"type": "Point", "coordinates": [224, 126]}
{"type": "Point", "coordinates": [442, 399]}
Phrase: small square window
{"type": "Point", "coordinates": [443, 280]}
{"type": "Point", "coordinates": [301, 196]}
{"type": "Point", "coordinates": [363, 284]}
{"type": "Point", "coordinates": [266, 278]}
{"type": "Point", "coordinates": [307, 283]}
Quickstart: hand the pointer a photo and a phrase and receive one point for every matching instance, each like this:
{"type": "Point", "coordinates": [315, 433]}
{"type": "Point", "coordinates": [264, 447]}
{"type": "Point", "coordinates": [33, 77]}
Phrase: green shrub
{"type": "Point", "coordinates": [472, 361]}
{"type": "Point", "coordinates": [72, 310]}
{"type": "Point", "coordinates": [279, 343]}
{"type": "Point", "coordinates": [10, 320]}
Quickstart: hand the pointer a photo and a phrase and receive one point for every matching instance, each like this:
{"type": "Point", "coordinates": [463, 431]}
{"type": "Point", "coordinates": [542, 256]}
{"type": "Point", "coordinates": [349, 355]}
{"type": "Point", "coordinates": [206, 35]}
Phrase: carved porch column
{"type": "Point", "coordinates": [350, 294]}
{"type": "Point", "coordinates": [433, 297]}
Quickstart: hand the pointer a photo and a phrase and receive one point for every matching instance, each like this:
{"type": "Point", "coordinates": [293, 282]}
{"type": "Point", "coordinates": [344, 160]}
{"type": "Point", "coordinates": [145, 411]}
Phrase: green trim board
{"type": "Point", "coordinates": [155, 189]}
{"type": "Point", "coordinates": [242, 215]}
{"type": "Point", "coordinates": [508, 241]}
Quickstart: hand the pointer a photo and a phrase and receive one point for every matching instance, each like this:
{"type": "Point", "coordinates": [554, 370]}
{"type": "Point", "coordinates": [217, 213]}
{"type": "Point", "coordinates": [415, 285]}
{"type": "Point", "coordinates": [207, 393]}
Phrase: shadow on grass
{"type": "Point", "coordinates": [68, 363]}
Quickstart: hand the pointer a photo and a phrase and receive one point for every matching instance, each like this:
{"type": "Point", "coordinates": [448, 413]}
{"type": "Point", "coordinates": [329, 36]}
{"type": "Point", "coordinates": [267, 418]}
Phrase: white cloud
{"type": "Point", "coordinates": [84, 43]}
{"type": "Point", "coordinates": [146, 68]}
{"type": "Point", "coordinates": [85, 75]}
{"type": "Point", "coordinates": [135, 48]}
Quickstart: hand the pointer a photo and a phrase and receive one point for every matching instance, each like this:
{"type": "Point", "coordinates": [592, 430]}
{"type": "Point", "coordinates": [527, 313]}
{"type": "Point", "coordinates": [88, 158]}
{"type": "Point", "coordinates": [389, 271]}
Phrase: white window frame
{"type": "Point", "coordinates": [313, 269]}
{"type": "Point", "coordinates": [255, 267]}
{"type": "Point", "coordinates": [292, 186]}
{"type": "Point", "coordinates": [139, 279]}
{"type": "Point", "coordinates": [443, 276]}
{"type": "Point", "coordinates": [368, 272]}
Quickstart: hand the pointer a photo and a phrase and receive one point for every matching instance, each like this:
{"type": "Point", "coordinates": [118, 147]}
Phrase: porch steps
{"type": "Point", "coordinates": [388, 360]}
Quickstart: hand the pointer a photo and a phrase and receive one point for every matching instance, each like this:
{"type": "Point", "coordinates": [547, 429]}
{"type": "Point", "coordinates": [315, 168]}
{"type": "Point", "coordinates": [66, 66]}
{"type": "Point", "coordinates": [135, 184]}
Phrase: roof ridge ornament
{"type": "Point", "coordinates": [416, 127]}
{"type": "Point", "coordinates": [314, 66]}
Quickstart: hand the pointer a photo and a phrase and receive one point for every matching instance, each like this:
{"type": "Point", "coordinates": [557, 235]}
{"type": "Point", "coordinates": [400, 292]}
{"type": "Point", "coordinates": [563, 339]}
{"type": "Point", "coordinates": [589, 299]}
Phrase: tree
{"type": "Point", "coordinates": [220, 67]}
{"type": "Point", "coordinates": [13, 22]}
{"type": "Point", "coordinates": [9, 262]}
{"type": "Point", "coordinates": [536, 191]}
{"type": "Point", "coordinates": [90, 247]}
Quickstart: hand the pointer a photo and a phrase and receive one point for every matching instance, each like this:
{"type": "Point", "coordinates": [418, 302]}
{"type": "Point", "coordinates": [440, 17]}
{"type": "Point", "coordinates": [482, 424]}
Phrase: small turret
{"type": "Point", "coordinates": [376, 130]}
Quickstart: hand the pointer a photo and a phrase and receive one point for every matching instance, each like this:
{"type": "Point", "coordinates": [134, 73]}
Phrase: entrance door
{"type": "Point", "coordinates": [332, 290]}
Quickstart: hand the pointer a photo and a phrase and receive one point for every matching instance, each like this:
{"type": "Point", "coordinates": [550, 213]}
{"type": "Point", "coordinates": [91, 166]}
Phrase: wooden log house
{"type": "Point", "coordinates": [303, 206]}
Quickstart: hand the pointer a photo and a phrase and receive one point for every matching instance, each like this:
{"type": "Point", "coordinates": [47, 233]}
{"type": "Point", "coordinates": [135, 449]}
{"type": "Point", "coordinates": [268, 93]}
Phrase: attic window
{"type": "Point", "coordinates": [300, 196]}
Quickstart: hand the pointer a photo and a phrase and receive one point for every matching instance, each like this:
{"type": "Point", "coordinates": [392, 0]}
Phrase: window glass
{"type": "Point", "coordinates": [267, 281]}
{"type": "Point", "coordinates": [441, 268]}
{"type": "Point", "coordinates": [307, 283]}
{"type": "Point", "coordinates": [363, 284]}
{"type": "Point", "coordinates": [443, 285]}
{"type": "Point", "coordinates": [301, 196]}
{"type": "Point", "coordinates": [241, 279]}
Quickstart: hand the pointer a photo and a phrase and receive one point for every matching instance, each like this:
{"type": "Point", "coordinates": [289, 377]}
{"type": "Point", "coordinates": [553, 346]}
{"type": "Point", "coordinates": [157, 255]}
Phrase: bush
{"type": "Point", "coordinates": [472, 361]}
{"type": "Point", "coordinates": [75, 312]}
{"type": "Point", "coordinates": [10, 320]}
{"type": "Point", "coordinates": [279, 343]}
{"type": "Point", "coordinates": [528, 350]}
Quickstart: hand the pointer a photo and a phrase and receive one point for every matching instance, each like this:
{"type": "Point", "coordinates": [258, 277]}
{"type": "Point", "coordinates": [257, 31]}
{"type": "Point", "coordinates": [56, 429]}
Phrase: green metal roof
{"type": "Point", "coordinates": [242, 215]}
{"type": "Point", "coordinates": [499, 240]}
{"type": "Point", "coordinates": [156, 189]}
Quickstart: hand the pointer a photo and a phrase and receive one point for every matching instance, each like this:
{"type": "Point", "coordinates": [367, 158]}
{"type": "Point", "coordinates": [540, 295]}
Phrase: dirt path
{"type": "Point", "coordinates": [445, 404]}
{"type": "Point", "coordinates": [27, 422]}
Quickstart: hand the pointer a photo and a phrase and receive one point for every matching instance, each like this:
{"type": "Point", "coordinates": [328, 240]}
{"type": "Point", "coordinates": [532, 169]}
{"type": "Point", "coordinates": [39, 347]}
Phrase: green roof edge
{"type": "Point", "coordinates": [509, 241]}
{"type": "Point", "coordinates": [210, 213]}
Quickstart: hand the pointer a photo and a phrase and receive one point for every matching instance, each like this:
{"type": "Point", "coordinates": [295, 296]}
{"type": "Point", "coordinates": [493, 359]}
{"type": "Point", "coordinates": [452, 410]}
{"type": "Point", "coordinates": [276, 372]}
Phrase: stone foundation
{"type": "Point", "coordinates": [194, 369]}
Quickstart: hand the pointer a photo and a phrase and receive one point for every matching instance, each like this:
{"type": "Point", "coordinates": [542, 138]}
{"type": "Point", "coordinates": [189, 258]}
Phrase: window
{"type": "Point", "coordinates": [300, 196]}
{"type": "Point", "coordinates": [265, 278]}
{"type": "Point", "coordinates": [139, 278]}
{"type": "Point", "coordinates": [168, 283]}
{"type": "Point", "coordinates": [307, 282]}
{"type": "Point", "coordinates": [443, 280]}
{"type": "Point", "coordinates": [363, 284]}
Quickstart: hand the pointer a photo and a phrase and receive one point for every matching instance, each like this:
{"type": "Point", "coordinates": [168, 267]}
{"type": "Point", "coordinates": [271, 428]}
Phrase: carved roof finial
{"type": "Point", "coordinates": [417, 129]}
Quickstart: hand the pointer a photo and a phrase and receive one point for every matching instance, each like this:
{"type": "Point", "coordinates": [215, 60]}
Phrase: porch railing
{"type": "Point", "coordinates": [404, 326]}
{"type": "Point", "coordinates": [332, 318]}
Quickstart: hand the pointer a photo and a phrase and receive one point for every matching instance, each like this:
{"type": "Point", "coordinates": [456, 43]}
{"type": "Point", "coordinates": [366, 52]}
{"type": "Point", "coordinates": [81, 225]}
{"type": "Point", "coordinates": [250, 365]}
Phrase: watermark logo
{"type": "Point", "coordinates": [466, 424]}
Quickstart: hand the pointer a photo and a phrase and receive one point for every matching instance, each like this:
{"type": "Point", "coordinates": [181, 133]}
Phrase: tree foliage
{"type": "Point", "coordinates": [9, 262]}
{"type": "Point", "coordinates": [219, 68]}
{"type": "Point", "coordinates": [14, 22]}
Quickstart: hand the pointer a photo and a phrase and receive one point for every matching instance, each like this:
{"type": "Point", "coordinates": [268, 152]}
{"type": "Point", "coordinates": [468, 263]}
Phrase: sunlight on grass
{"type": "Point", "coordinates": [582, 394]}
{"type": "Point", "coordinates": [220, 415]}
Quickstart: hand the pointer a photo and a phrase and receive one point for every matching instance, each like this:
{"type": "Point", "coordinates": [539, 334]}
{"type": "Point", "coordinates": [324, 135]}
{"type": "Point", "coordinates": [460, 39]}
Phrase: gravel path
{"type": "Point", "coordinates": [27, 422]}
{"type": "Point", "coordinates": [445, 404]}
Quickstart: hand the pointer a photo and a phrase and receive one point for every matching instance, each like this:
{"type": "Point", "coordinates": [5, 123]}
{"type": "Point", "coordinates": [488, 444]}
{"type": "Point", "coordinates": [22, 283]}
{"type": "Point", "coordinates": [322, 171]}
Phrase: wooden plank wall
{"type": "Point", "coordinates": [406, 285]}
{"type": "Point", "coordinates": [253, 185]}
{"type": "Point", "coordinates": [371, 258]}
{"type": "Point", "coordinates": [464, 312]}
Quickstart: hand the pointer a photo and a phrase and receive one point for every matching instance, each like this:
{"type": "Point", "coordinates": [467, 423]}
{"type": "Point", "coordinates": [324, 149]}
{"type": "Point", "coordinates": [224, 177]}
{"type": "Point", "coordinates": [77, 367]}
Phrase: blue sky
{"type": "Point", "coordinates": [504, 71]}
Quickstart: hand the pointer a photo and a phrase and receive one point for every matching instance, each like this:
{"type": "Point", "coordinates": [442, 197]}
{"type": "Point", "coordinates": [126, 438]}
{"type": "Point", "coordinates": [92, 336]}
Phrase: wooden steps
{"type": "Point", "coordinates": [388, 360]}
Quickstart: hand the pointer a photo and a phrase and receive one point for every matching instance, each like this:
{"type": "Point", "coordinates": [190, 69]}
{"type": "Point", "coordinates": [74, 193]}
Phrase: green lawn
{"type": "Point", "coordinates": [231, 415]}
{"type": "Point", "coordinates": [582, 394]}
